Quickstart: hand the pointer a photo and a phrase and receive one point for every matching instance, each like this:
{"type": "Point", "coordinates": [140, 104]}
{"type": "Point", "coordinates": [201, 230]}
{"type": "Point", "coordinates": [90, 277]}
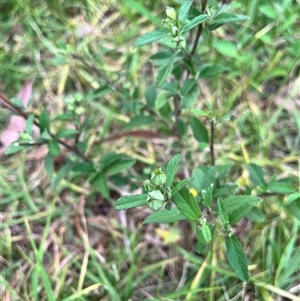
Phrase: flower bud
{"type": "Point", "coordinates": [171, 13]}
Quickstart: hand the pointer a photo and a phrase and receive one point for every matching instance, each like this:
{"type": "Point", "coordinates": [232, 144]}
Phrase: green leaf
{"type": "Point", "coordinates": [204, 236]}
{"type": "Point", "coordinates": [18, 102]}
{"type": "Point", "coordinates": [200, 112]}
{"type": "Point", "coordinates": [236, 258]}
{"type": "Point", "coordinates": [172, 169]}
{"type": "Point", "coordinates": [139, 121]}
{"type": "Point", "coordinates": [187, 204]}
{"type": "Point", "coordinates": [206, 233]}
{"type": "Point", "coordinates": [292, 198]}
{"type": "Point", "coordinates": [48, 164]}
{"type": "Point", "coordinates": [165, 216]}
{"type": "Point", "coordinates": [282, 187]}
{"type": "Point", "coordinates": [255, 215]}
{"type": "Point", "coordinates": [108, 159]}
{"type": "Point", "coordinates": [256, 174]}
{"type": "Point", "coordinates": [222, 211]}
{"type": "Point", "coordinates": [229, 18]}
{"type": "Point", "coordinates": [64, 117]}
{"type": "Point", "coordinates": [29, 124]}
{"type": "Point", "coordinates": [189, 93]}
{"type": "Point", "coordinates": [66, 133]}
{"type": "Point", "coordinates": [181, 184]}
{"type": "Point", "coordinates": [151, 37]}
{"type": "Point", "coordinates": [199, 176]}
{"type": "Point", "coordinates": [182, 127]}
{"type": "Point", "coordinates": [184, 10]}
{"type": "Point", "coordinates": [61, 174]}
{"type": "Point", "coordinates": [54, 147]}
{"type": "Point", "coordinates": [84, 167]}
{"type": "Point", "coordinates": [210, 70]}
{"type": "Point", "coordinates": [44, 122]}
{"type": "Point", "coordinates": [199, 131]}
{"type": "Point", "coordinates": [151, 96]}
{"type": "Point", "coordinates": [119, 166]}
{"type": "Point", "coordinates": [162, 55]}
{"type": "Point", "coordinates": [194, 22]}
{"type": "Point", "coordinates": [207, 193]}
{"type": "Point", "coordinates": [227, 48]}
{"type": "Point", "coordinates": [102, 185]}
{"type": "Point", "coordinates": [14, 148]}
{"type": "Point", "coordinates": [294, 208]}
{"type": "Point", "coordinates": [164, 71]}
{"type": "Point", "coordinates": [130, 201]}
{"type": "Point", "coordinates": [239, 205]}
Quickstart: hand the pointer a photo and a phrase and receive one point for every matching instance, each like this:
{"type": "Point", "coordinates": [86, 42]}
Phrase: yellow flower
{"type": "Point", "coordinates": [193, 192]}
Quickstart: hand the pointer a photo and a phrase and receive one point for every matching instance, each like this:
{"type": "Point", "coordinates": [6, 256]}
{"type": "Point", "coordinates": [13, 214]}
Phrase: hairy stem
{"type": "Point", "coordinates": [212, 133]}
{"type": "Point", "coordinates": [8, 104]}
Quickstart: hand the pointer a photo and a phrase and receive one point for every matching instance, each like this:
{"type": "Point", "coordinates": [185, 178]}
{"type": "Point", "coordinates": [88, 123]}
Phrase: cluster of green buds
{"type": "Point", "coordinates": [174, 25]}
{"type": "Point", "coordinates": [74, 103]}
{"type": "Point", "coordinates": [205, 236]}
{"type": "Point", "coordinates": [158, 193]}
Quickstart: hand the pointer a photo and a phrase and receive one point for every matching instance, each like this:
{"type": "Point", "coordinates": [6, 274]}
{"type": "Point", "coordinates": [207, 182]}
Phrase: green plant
{"type": "Point", "coordinates": [216, 206]}
{"type": "Point", "coordinates": [96, 129]}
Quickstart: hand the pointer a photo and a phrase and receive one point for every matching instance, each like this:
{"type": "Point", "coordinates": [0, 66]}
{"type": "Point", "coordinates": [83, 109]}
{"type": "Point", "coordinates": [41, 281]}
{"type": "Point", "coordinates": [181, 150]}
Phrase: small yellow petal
{"type": "Point", "coordinates": [193, 192]}
{"type": "Point", "coordinates": [168, 236]}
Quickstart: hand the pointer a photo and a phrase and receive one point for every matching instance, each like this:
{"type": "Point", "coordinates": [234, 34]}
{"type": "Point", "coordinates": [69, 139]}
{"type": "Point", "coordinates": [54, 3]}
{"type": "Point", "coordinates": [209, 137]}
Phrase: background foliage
{"type": "Point", "coordinates": [61, 239]}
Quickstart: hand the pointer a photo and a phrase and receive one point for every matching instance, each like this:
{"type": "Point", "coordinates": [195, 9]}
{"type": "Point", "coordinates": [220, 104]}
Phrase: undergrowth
{"type": "Point", "coordinates": [93, 98]}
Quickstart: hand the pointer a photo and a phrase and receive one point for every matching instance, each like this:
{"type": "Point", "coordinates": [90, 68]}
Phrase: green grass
{"type": "Point", "coordinates": [55, 245]}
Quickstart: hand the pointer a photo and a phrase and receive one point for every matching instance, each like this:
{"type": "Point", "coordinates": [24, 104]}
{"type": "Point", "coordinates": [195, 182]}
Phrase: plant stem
{"type": "Point", "coordinates": [212, 133]}
{"type": "Point", "coordinates": [8, 104]}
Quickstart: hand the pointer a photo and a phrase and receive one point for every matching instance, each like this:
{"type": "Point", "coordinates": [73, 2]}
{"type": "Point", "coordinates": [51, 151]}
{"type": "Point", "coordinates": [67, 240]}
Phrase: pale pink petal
{"type": "Point", "coordinates": [16, 125]}
{"type": "Point", "coordinates": [25, 94]}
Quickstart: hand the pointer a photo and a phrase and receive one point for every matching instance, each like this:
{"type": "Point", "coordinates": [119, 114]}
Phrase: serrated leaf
{"type": "Point", "coordinates": [222, 211]}
{"type": "Point", "coordinates": [102, 185]}
{"type": "Point", "coordinates": [130, 201]}
{"type": "Point", "coordinates": [238, 206]}
{"type": "Point", "coordinates": [164, 71]}
{"type": "Point", "coordinates": [294, 208]}
{"type": "Point", "coordinates": [44, 122]}
{"type": "Point", "coordinates": [187, 205]}
{"type": "Point", "coordinates": [64, 117]}
{"type": "Point", "coordinates": [210, 70]}
{"type": "Point", "coordinates": [206, 233]}
{"type": "Point", "coordinates": [199, 131]}
{"type": "Point", "coordinates": [229, 18]}
{"type": "Point", "coordinates": [66, 133]}
{"type": "Point", "coordinates": [162, 55]}
{"type": "Point", "coordinates": [61, 174]}
{"type": "Point", "coordinates": [194, 22]}
{"type": "Point", "coordinates": [184, 10]}
{"type": "Point", "coordinates": [139, 121]}
{"type": "Point", "coordinates": [29, 124]}
{"type": "Point", "coordinates": [199, 176]}
{"type": "Point", "coordinates": [256, 174]}
{"type": "Point", "coordinates": [151, 37]}
{"type": "Point", "coordinates": [108, 159]}
{"type": "Point", "coordinates": [165, 216]}
{"type": "Point", "coordinates": [189, 92]}
{"type": "Point", "coordinates": [54, 147]}
{"type": "Point", "coordinates": [151, 96]}
{"type": "Point", "coordinates": [84, 167]}
{"type": "Point", "coordinates": [281, 187]}
{"type": "Point", "coordinates": [236, 258]}
{"type": "Point", "coordinates": [255, 215]}
{"type": "Point", "coordinates": [199, 112]}
{"type": "Point", "coordinates": [181, 184]}
{"type": "Point", "coordinates": [48, 164]}
{"type": "Point", "coordinates": [119, 166]}
{"type": "Point", "coordinates": [172, 169]}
